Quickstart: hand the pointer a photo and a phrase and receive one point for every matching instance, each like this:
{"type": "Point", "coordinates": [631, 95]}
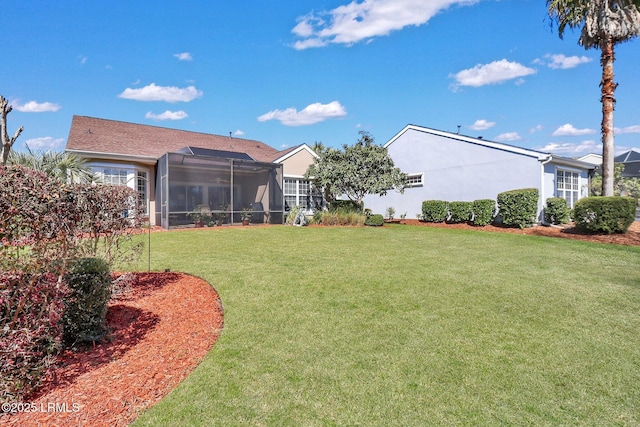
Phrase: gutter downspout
{"type": "Point", "coordinates": [542, 192]}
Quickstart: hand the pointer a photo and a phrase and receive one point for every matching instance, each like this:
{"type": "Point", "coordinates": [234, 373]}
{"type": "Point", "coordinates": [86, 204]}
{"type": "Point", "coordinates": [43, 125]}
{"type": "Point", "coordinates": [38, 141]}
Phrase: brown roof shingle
{"type": "Point", "coordinates": [91, 134]}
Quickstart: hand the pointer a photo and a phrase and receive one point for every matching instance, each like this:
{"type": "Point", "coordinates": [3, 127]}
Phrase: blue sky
{"type": "Point", "coordinates": [287, 73]}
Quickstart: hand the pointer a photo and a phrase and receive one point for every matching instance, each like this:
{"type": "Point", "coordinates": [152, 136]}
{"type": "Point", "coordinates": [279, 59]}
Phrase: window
{"type": "Point", "coordinates": [130, 177]}
{"type": "Point", "coordinates": [414, 179]}
{"type": "Point", "coordinates": [568, 186]}
{"type": "Point", "coordinates": [114, 176]}
{"type": "Point", "coordinates": [143, 192]}
{"type": "Point", "coordinates": [299, 192]}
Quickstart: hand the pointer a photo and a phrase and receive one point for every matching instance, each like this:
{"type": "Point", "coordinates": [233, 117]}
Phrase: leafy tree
{"type": "Point", "coordinates": [7, 142]}
{"type": "Point", "coordinates": [605, 23]}
{"type": "Point", "coordinates": [60, 165]}
{"type": "Point", "coordinates": [622, 185]}
{"type": "Point", "coordinates": [355, 171]}
{"type": "Point", "coordinates": [318, 147]}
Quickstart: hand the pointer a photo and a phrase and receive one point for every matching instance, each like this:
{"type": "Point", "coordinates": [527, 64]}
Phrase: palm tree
{"type": "Point", "coordinates": [605, 23]}
{"type": "Point", "coordinates": [61, 165]}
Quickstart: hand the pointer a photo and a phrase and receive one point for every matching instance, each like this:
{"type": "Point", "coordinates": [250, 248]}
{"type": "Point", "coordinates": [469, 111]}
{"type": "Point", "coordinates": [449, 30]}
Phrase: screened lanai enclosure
{"type": "Point", "coordinates": [211, 187]}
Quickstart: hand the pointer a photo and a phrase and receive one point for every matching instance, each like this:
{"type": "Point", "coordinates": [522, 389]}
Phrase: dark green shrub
{"type": "Point", "coordinates": [89, 283]}
{"type": "Point", "coordinates": [604, 214]}
{"type": "Point", "coordinates": [460, 211]}
{"type": "Point", "coordinates": [557, 211]}
{"type": "Point", "coordinates": [483, 211]}
{"type": "Point", "coordinates": [344, 206]}
{"type": "Point", "coordinates": [518, 207]}
{"type": "Point", "coordinates": [435, 210]}
{"type": "Point", "coordinates": [375, 220]}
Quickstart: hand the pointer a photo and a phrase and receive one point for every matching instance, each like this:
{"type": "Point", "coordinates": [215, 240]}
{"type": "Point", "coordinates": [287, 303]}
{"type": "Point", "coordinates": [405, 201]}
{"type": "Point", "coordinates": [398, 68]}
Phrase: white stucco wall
{"type": "Point", "coordinates": [454, 170]}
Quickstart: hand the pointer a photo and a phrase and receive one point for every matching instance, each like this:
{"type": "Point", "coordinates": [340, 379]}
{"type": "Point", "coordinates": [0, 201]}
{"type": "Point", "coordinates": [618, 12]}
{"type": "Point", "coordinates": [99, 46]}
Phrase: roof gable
{"type": "Point", "coordinates": [541, 156]}
{"type": "Point", "coordinates": [478, 141]}
{"type": "Point", "coordinates": [289, 152]}
{"type": "Point", "coordinates": [632, 155]}
{"type": "Point", "coordinates": [110, 137]}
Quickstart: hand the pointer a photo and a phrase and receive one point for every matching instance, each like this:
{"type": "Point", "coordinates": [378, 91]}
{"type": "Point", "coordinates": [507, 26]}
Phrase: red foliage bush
{"type": "Point", "coordinates": [44, 225]}
{"type": "Point", "coordinates": [31, 306]}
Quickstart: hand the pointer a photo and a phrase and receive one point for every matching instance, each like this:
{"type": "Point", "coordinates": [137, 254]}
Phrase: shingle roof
{"type": "Point", "coordinates": [89, 134]}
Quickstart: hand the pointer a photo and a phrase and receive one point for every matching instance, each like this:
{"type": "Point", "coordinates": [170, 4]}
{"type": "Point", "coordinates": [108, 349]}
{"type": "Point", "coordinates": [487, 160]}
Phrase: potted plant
{"type": "Point", "coordinates": [196, 216]}
{"type": "Point", "coordinates": [246, 216]}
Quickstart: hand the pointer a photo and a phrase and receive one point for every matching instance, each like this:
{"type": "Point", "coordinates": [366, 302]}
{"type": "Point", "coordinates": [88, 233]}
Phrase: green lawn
{"type": "Point", "coordinates": [409, 326]}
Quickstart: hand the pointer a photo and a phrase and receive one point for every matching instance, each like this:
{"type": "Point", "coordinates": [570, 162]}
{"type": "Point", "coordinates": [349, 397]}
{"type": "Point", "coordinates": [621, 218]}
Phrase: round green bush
{"type": "Point", "coordinates": [483, 212]}
{"type": "Point", "coordinates": [435, 210]}
{"type": "Point", "coordinates": [375, 220]}
{"type": "Point", "coordinates": [609, 215]}
{"type": "Point", "coordinates": [89, 283]}
{"type": "Point", "coordinates": [460, 212]}
{"type": "Point", "coordinates": [518, 207]}
{"type": "Point", "coordinates": [557, 211]}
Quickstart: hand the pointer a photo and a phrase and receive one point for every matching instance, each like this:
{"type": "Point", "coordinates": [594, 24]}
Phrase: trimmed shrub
{"type": "Point", "coordinates": [483, 212]}
{"type": "Point", "coordinates": [344, 205]}
{"type": "Point", "coordinates": [435, 210]}
{"type": "Point", "coordinates": [460, 211]}
{"type": "Point", "coordinates": [89, 283]}
{"type": "Point", "coordinates": [30, 330]}
{"type": "Point", "coordinates": [604, 214]}
{"type": "Point", "coordinates": [557, 211]}
{"type": "Point", "coordinates": [518, 207]}
{"type": "Point", "coordinates": [376, 220]}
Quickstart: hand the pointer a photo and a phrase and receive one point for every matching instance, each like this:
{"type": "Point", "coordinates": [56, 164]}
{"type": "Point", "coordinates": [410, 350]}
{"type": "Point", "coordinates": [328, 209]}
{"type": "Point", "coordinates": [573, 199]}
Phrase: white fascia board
{"type": "Point", "coordinates": [147, 160]}
{"type": "Point", "coordinates": [296, 151]}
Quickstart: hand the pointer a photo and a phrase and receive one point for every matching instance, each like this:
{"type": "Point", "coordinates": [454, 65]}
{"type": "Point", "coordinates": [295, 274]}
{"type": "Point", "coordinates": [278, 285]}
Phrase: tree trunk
{"type": "Point", "coordinates": [608, 87]}
{"type": "Point", "coordinates": [7, 142]}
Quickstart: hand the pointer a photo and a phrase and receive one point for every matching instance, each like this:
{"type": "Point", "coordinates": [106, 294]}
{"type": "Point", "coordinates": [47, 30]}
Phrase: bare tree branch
{"type": "Point", "coordinates": [7, 142]}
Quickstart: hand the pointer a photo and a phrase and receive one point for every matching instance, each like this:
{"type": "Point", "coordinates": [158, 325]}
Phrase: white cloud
{"type": "Point", "coordinates": [311, 114]}
{"type": "Point", "coordinates": [494, 73]}
{"type": "Point", "coordinates": [238, 133]}
{"type": "Point", "coordinates": [482, 124]}
{"type": "Point", "coordinates": [571, 149]}
{"type": "Point", "coordinates": [184, 56]}
{"type": "Point", "coordinates": [83, 59]}
{"type": "Point", "coordinates": [508, 137]}
{"type": "Point", "coordinates": [562, 62]}
{"type": "Point", "coordinates": [628, 129]}
{"type": "Point", "coordinates": [162, 93]}
{"type": "Point", "coordinates": [37, 107]}
{"type": "Point", "coordinates": [535, 129]}
{"type": "Point", "coordinates": [167, 115]}
{"type": "Point", "coordinates": [45, 143]}
{"type": "Point", "coordinates": [357, 21]}
{"type": "Point", "coordinates": [568, 130]}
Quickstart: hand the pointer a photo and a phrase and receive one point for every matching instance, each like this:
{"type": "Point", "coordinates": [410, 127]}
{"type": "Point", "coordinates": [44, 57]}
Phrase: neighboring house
{"type": "Point", "coordinates": [177, 172]}
{"type": "Point", "coordinates": [592, 158]}
{"type": "Point", "coordinates": [452, 167]}
{"type": "Point", "coordinates": [631, 162]}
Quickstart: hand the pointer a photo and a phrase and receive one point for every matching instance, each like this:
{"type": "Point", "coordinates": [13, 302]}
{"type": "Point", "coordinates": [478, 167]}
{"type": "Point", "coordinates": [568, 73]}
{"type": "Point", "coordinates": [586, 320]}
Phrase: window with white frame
{"type": "Point", "coordinates": [415, 180]}
{"type": "Point", "coordinates": [129, 177]}
{"type": "Point", "coordinates": [300, 192]}
{"type": "Point", "coordinates": [568, 186]}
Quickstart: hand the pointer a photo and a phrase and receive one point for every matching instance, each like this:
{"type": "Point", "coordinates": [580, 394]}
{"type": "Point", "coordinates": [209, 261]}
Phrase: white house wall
{"type": "Point", "coordinates": [454, 170]}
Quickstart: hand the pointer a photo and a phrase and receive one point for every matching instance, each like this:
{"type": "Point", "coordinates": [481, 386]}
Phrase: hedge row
{"type": "Point", "coordinates": [479, 212]}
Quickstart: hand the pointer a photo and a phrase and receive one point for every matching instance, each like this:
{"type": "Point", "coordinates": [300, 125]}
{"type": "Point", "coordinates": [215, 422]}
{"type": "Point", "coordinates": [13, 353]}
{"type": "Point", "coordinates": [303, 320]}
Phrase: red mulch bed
{"type": "Point", "coordinates": [630, 238]}
{"type": "Point", "coordinates": [163, 324]}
